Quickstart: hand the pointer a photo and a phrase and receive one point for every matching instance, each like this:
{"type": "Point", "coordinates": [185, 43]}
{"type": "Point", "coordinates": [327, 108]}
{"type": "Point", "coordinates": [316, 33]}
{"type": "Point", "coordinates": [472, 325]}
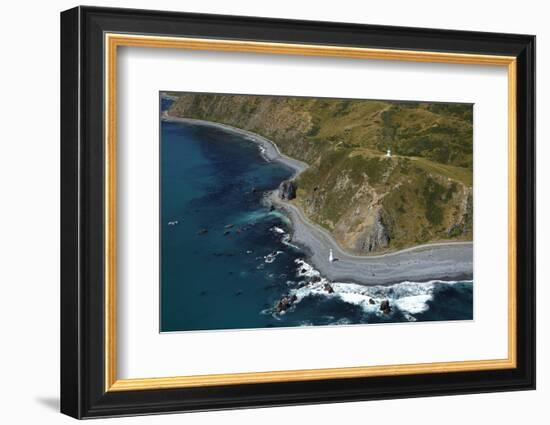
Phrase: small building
{"type": "Point", "coordinates": [388, 153]}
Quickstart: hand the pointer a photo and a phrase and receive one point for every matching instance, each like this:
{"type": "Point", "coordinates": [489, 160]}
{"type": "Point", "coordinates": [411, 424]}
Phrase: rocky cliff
{"type": "Point", "coordinates": [287, 190]}
{"type": "Point", "coordinates": [370, 202]}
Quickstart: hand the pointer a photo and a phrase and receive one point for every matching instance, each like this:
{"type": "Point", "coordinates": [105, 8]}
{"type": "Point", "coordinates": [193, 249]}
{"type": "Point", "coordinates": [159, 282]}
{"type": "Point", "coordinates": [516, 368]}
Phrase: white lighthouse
{"type": "Point", "coordinates": [388, 153]}
{"type": "Point", "coordinates": [330, 256]}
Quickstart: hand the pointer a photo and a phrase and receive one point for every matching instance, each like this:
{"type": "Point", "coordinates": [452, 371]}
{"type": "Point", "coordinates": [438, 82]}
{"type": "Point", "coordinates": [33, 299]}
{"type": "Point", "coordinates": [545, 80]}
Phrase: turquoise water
{"type": "Point", "coordinates": [226, 260]}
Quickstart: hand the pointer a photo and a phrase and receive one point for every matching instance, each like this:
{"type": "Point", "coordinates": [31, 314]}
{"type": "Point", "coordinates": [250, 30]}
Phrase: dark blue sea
{"type": "Point", "coordinates": [227, 260]}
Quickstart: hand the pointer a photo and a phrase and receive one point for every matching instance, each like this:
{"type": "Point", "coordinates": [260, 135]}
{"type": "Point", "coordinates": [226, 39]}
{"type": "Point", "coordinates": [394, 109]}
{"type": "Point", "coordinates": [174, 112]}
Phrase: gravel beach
{"type": "Point", "coordinates": [436, 261]}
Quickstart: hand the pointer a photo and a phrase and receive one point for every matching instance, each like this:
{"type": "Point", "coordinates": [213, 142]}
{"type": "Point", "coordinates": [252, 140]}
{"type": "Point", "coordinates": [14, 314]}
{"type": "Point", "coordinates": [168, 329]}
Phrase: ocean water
{"type": "Point", "coordinates": [226, 260]}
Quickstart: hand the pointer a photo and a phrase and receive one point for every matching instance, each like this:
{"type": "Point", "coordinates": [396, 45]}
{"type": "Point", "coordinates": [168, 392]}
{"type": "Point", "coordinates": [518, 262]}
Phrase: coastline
{"type": "Point", "coordinates": [446, 261]}
{"type": "Point", "coordinates": [270, 150]}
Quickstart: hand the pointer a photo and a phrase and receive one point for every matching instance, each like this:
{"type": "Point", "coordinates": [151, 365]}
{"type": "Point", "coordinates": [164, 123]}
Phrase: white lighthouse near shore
{"type": "Point", "coordinates": [330, 256]}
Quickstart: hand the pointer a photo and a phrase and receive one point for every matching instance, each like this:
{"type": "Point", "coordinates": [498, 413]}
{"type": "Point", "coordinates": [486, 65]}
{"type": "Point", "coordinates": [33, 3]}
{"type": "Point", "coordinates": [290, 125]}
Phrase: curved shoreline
{"type": "Point", "coordinates": [435, 261]}
{"type": "Point", "coordinates": [270, 150]}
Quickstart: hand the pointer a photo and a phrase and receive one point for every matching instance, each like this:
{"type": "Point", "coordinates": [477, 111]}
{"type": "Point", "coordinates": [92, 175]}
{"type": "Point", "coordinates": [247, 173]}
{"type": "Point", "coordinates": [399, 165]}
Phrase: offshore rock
{"type": "Point", "coordinates": [385, 307]}
{"type": "Point", "coordinates": [285, 303]}
{"type": "Point", "coordinates": [328, 287]}
{"type": "Point", "coordinates": [315, 279]}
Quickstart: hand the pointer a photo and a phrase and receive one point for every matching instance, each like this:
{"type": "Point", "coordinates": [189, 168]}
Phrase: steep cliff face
{"type": "Point", "coordinates": [277, 118]}
{"type": "Point", "coordinates": [287, 190]}
{"type": "Point", "coordinates": [371, 203]}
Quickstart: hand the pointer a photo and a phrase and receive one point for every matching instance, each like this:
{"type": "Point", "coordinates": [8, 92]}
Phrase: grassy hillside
{"type": "Point", "coordinates": [369, 202]}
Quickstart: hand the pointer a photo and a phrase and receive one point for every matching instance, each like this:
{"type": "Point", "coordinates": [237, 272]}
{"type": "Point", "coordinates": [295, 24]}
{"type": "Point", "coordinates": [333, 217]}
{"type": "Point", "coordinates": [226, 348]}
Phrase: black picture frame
{"type": "Point", "coordinates": [83, 392]}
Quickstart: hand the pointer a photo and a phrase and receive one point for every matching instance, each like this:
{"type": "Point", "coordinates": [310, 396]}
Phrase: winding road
{"type": "Point", "coordinates": [436, 261]}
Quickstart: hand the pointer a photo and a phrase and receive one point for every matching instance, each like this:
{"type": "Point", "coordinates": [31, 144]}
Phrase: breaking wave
{"type": "Point", "coordinates": [269, 258]}
{"type": "Point", "coordinates": [408, 298]}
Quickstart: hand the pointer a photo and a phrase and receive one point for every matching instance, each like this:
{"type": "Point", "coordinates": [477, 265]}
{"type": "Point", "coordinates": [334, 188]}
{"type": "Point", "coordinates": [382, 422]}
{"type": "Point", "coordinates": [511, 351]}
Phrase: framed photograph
{"type": "Point", "coordinates": [261, 212]}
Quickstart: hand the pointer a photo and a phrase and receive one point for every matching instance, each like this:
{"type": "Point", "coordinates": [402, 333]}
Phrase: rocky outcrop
{"type": "Point", "coordinates": [287, 190]}
{"type": "Point", "coordinates": [385, 307]}
{"type": "Point", "coordinates": [373, 205]}
{"type": "Point", "coordinates": [328, 288]}
{"type": "Point", "coordinates": [463, 217]}
{"type": "Point", "coordinates": [285, 303]}
{"type": "Point", "coordinates": [377, 239]}
{"type": "Point", "coordinates": [316, 278]}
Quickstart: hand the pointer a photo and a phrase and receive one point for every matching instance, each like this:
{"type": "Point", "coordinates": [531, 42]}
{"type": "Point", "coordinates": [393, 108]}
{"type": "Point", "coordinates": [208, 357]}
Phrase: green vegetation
{"type": "Point", "coordinates": [463, 175]}
{"type": "Point", "coordinates": [433, 193]}
{"type": "Point", "coordinates": [422, 193]}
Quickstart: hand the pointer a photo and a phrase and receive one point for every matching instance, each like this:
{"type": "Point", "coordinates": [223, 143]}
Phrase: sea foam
{"type": "Point", "coordinates": [408, 297]}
